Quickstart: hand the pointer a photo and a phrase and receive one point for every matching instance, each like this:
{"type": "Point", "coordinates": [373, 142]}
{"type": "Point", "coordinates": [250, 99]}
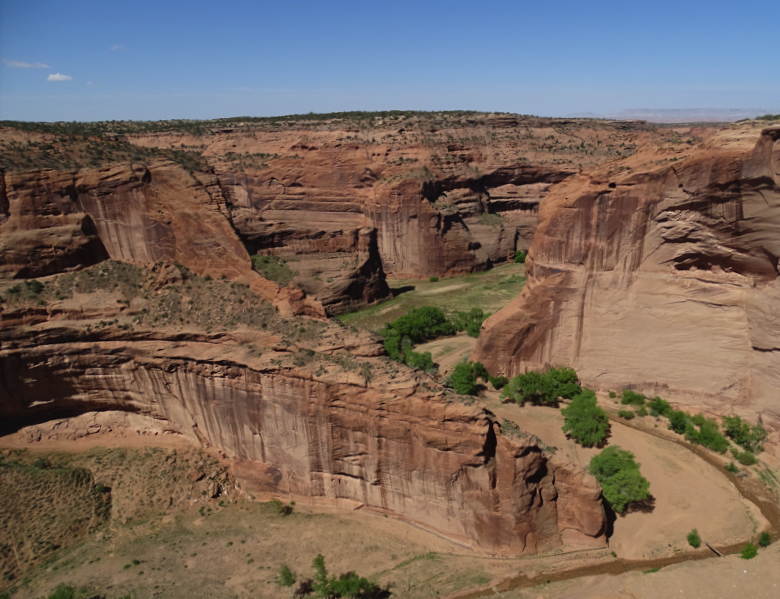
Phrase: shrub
{"type": "Point", "coordinates": [433, 279]}
{"type": "Point", "coordinates": [732, 467]}
{"type": "Point", "coordinates": [678, 421]}
{"type": "Point", "coordinates": [632, 398]}
{"type": "Point", "coordinates": [641, 411]}
{"type": "Point", "coordinates": [621, 482]}
{"type": "Point", "coordinates": [345, 585]}
{"type": "Point", "coordinates": [707, 434]}
{"type": "Point", "coordinates": [584, 421]}
{"type": "Point", "coordinates": [464, 377]}
{"type": "Point", "coordinates": [273, 268]}
{"type": "Point", "coordinates": [750, 438]}
{"type": "Point", "coordinates": [470, 321]}
{"type": "Point", "coordinates": [746, 458]}
{"type": "Point", "coordinates": [659, 407]}
{"type": "Point", "coordinates": [627, 414]}
{"type": "Point", "coordinates": [749, 551]}
{"type": "Point", "coordinates": [63, 591]}
{"type": "Point", "coordinates": [543, 388]}
{"type": "Point", "coordinates": [764, 539]}
{"type": "Point", "coordinates": [612, 395]}
{"type": "Point", "coordinates": [520, 257]}
{"type": "Point", "coordinates": [285, 577]}
{"type": "Point", "coordinates": [498, 382]}
{"type": "Point", "coordinates": [283, 509]}
{"type": "Point", "coordinates": [694, 540]}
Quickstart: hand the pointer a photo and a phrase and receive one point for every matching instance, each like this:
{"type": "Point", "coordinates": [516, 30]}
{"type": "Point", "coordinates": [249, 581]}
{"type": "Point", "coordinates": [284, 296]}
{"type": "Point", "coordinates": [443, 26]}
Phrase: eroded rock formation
{"type": "Point", "coordinates": [664, 278]}
{"type": "Point", "coordinates": [395, 445]}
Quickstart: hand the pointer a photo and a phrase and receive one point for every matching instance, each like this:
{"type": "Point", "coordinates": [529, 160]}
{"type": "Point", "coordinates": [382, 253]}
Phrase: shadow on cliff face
{"type": "Point", "coordinates": [34, 394]}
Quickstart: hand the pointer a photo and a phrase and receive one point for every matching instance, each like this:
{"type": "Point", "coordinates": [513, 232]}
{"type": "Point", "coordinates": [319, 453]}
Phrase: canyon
{"type": "Point", "coordinates": [661, 278]}
{"type": "Point", "coordinates": [130, 290]}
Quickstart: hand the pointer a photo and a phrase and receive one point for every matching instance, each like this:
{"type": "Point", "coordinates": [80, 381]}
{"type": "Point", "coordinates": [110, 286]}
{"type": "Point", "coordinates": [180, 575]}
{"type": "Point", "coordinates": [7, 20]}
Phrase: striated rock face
{"type": "Point", "coordinates": [57, 221]}
{"type": "Point", "coordinates": [665, 279]}
{"type": "Point", "coordinates": [446, 193]}
{"type": "Point", "coordinates": [392, 446]}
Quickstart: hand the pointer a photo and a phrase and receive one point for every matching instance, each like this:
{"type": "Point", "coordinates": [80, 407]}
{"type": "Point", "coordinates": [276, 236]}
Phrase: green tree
{"type": "Point", "coordinates": [659, 407]}
{"type": "Point", "coordinates": [764, 539]}
{"type": "Point", "coordinates": [632, 398]}
{"type": "Point", "coordinates": [584, 421]}
{"type": "Point", "coordinates": [498, 382]}
{"type": "Point", "coordinates": [543, 388]}
{"type": "Point", "coordinates": [520, 257]}
{"type": "Point", "coordinates": [464, 377]}
{"type": "Point", "coordinates": [694, 540]}
{"type": "Point", "coordinates": [621, 482]}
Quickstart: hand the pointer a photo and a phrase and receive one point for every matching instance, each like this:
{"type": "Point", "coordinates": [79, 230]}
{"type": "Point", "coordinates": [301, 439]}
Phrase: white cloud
{"type": "Point", "coordinates": [20, 64]}
{"type": "Point", "coordinates": [58, 77]}
{"type": "Point", "coordinates": [117, 47]}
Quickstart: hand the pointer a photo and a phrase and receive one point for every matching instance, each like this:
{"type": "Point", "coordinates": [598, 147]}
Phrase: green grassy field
{"type": "Point", "coordinates": [489, 290]}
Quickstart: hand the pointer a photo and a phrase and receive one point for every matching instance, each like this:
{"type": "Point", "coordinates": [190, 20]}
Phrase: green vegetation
{"type": "Point", "coordinates": [419, 325]}
{"type": "Point", "coordinates": [764, 539]}
{"type": "Point", "coordinates": [698, 429]}
{"type": "Point", "coordinates": [490, 290]}
{"type": "Point", "coordinates": [750, 437]}
{"type": "Point", "coordinates": [470, 322]}
{"type": "Point", "coordinates": [694, 540]}
{"type": "Point", "coordinates": [543, 388]}
{"type": "Point", "coordinates": [520, 257]}
{"type": "Point", "coordinates": [768, 117]}
{"type": "Point", "coordinates": [731, 467]}
{"type": "Point", "coordinates": [621, 482]}
{"type": "Point", "coordinates": [285, 577]}
{"type": "Point", "coordinates": [424, 324]}
{"type": "Point", "coordinates": [273, 268]}
{"type": "Point", "coordinates": [627, 414]}
{"type": "Point", "coordinates": [584, 421]}
{"type": "Point", "coordinates": [746, 458]}
{"type": "Point", "coordinates": [433, 279]}
{"type": "Point", "coordinates": [749, 551]}
{"type": "Point", "coordinates": [463, 378]}
{"type": "Point", "coordinates": [632, 398]}
{"type": "Point", "coordinates": [659, 407]}
{"type": "Point", "coordinates": [348, 584]}
{"type": "Point", "coordinates": [498, 382]}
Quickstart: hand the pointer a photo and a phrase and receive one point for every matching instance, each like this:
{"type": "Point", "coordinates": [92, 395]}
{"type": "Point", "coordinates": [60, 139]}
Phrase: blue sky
{"type": "Point", "coordinates": [86, 60]}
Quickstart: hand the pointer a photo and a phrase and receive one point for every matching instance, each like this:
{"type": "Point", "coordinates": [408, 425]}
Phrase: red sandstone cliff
{"type": "Point", "coordinates": [395, 444]}
{"type": "Point", "coordinates": [660, 277]}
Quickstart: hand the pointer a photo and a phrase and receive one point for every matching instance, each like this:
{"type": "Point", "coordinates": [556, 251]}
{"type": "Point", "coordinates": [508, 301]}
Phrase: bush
{"type": "Point", "coordinates": [285, 577]}
{"type": "Point", "coordinates": [520, 257]}
{"type": "Point", "coordinates": [584, 421]}
{"type": "Point", "coordinates": [749, 551]}
{"type": "Point", "coordinates": [345, 585]}
{"type": "Point", "coordinates": [273, 268]}
{"type": "Point", "coordinates": [621, 482]}
{"type": "Point", "coordinates": [731, 467]}
{"type": "Point", "coordinates": [464, 377]}
{"type": "Point", "coordinates": [627, 414]}
{"type": "Point", "coordinates": [659, 407]}
{"type": "Point", "coordinates": [707, 434]}
{"type": "Point", "coordinates": [746, 458]}
{"type": "Point", "coordinates": [416, 326]}
{"type": "Point", "coordinates": [641, 411]}
{"type": "Point", "coordinates": [678, 421]}
{"type": "Point", "coordinates": [750, 438]}
{"type": "Point", "coordinates": [498, 382]}
{"type": "Point", "coordinates": [632, 398]}
{"type": "Point", "coordinates": [694, 540]}
{"type": "Point", "coordinates": [612, 395]}
{"type": "Point", "coordinates": [543, 388]}
{"type": "Point", "coordinates": [433, 279]}
{"type": "Point", "coordinates": [470, 321]}
{"type": "Point", "coordinates": [63, 591]}
{"type": "Point", "coordinates": [764, 539]}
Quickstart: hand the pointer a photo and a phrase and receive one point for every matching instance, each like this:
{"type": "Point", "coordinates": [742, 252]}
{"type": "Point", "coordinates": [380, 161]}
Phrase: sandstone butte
{"type": "Point", "coordinates": [660, 275]}
{"type": "Point", "coordinates": [348, 202]}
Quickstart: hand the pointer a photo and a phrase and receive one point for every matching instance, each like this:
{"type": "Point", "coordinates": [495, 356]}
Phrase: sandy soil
{"type": "Point", "coordinates": [728, 577]}
{"type": "Point", "coordinates": [448, 351]}
{"type": "Point", "coordinates": [689, 493]}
